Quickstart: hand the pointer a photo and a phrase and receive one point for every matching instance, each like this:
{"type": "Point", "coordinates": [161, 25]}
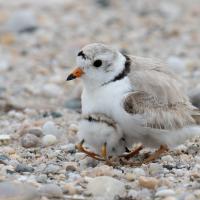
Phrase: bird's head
{"type": "Point", "coordinates": [97, 64]}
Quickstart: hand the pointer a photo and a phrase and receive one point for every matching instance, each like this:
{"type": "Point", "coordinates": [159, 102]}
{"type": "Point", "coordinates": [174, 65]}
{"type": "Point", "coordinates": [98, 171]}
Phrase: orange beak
{"type": "Point", "coordinates": [78, 72]}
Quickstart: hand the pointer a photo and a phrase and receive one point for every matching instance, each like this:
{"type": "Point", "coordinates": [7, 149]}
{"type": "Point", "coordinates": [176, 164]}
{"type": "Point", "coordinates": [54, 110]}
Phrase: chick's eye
{"type": "Point", "coordinates": [97, 63]}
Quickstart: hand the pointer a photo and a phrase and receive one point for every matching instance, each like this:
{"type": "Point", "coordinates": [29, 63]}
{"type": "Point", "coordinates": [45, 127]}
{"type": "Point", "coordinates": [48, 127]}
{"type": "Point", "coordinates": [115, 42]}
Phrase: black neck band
{"type": "Point", "coordinates": [123, 73]}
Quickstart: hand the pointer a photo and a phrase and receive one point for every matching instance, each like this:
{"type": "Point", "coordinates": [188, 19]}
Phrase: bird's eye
{"type": "Point", "coordinates": [97, 63]}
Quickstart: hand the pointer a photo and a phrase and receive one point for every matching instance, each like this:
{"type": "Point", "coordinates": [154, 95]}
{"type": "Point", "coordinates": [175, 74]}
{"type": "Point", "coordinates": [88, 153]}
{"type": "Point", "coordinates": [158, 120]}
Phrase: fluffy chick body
{"type": "Point", "coordinates": [98, 129]}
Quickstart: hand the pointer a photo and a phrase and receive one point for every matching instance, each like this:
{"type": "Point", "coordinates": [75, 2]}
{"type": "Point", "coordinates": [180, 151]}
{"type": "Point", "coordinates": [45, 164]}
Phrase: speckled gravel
{"type": "Point", "coordinates": [39, 111]}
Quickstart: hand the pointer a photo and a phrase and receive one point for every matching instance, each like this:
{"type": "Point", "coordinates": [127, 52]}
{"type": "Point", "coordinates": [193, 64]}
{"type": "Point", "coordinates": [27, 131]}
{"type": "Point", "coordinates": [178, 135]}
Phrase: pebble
{"type": "Point", "coordinates": [69, 189]}
{"type": "Point", "coordinates": [130, 176]}
{"type": "Point", "coordinates": [51, 168]}
{"type": "Point", "coordinates": [103, 170]}
{"type": "Point", "coordinates": [52, 90]}
{"type": "Point", "coordinates": [49, 140]}
{"type": "Point", "coordinates": [165, 193]}
{"type": "Point", "coordinates": [17, 191]}
{"type": "Point", "coordinates": [49, 128]}
{"type": "Point", "coordinates": [167, 158]}
{"type": "Point", "coordinates": [132, 194]}
{"type": "Point", "coordinates": [70, 166]}
{"type": "Point", "coordinates": [148, 182]}
{"type": "Point", "coordinates": [74, 104]}
{"type": "Point", "coordinates": [36, 131]}
{"type": "Point", "coordinates": [139, 172]}
{"type": "Point", "coordinates": [23, 168]}
{"type": "Point", "coordinates": [41, 178]}
{"type": "Point", "coordinates": [30, 140]}
{"type": "Point", "coordinates": [155, 169]}
{"type": "Point", "coordinates": [70, 148]}
{"type": "Point", "coordinates": [4, 139]}
{"type": "Point", "coordinates": [7, 150]}
{"type": "Point", "coordinates": [22, 21]}
{"type": "Point", "coordinates": [106, 187]}
{"type": "Point", "coordinates": [51, 191]}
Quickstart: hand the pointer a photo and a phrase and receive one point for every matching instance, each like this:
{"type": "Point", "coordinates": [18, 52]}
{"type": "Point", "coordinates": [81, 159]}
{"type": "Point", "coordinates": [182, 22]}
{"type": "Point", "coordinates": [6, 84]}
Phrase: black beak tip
{"type": "Point", "coordinates": [70, 77]}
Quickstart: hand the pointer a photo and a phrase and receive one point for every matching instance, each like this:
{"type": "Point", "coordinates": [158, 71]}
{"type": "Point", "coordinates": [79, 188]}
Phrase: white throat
{"type": "Point", "coordinates": [91, 84]}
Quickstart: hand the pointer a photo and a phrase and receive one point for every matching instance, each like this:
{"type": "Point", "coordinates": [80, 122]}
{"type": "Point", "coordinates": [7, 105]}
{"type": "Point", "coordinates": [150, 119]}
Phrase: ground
{"type": "Point", "coordinates": [39, 110]}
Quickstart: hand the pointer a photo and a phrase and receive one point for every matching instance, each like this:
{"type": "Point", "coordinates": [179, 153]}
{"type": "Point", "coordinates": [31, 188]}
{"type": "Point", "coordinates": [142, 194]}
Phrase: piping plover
{"type": "Point", "coordinates": [141, 94]}
{"type": "Point", "coordinates": [97, 130]}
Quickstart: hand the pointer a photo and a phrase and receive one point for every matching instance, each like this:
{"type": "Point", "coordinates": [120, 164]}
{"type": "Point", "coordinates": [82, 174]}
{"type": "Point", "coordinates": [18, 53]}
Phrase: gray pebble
{"type": "Point", "coordinates": [22, 21]}
{"type": "Point", "coordinates": [36, 131]}
{"type": "Point", "coordinates": [14, 191]}
{"type": "Point", "coordinates": [42, 178]}
{"type": "Point", "coordinates": [30, 140]}
{"type": "Point", "coordinates": [51, 191]}
{"type": "Point", "coordinates": [54, 169]}
{"type": "Point", "coordinates": [23, 168]}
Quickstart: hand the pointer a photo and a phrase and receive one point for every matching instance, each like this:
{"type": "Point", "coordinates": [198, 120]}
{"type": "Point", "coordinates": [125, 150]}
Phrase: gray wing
{"type": "Point", "coordinates": [159, 95]}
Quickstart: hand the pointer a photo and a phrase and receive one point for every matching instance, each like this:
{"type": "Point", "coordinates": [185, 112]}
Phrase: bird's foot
{"type": "Point", "coordinates": [91, 154]}
{"type": "Point", "coordinates": [102, 157]}
{"type": "Point", "coordinates": [132, 153]}
{"type": "Point", "coordinates": [162, 149]}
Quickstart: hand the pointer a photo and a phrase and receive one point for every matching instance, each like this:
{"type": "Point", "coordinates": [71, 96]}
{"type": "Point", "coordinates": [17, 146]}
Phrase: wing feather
{"type": "Point", "coordinates": [158, 95]}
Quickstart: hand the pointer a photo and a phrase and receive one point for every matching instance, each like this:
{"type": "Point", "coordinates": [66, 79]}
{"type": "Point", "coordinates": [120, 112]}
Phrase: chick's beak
{"type": "Point", "coordinates": [78, 72]}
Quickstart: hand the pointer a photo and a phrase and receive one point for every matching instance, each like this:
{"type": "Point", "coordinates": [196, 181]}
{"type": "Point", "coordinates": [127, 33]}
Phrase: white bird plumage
{"type": "Point", "coordinates": [145, 99]}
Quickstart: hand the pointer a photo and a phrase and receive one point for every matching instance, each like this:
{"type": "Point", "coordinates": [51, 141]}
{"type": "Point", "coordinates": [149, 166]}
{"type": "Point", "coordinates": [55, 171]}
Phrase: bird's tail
{"type": "Point", "coordinates": [176, 137]}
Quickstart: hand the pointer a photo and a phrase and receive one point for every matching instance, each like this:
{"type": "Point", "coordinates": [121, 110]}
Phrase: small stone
{"type": "Point", "coordinates": [29, 140]}
{"type": "Point", "coordinates": [49, 140]}
{"type": "Point", "coordinates": [70, 166]}
{"type": "Point", "coordinates": [130, 176]}
{"type": "Point", "coordinates": [22, 21]}
{"type": "Point", "coordinates": [139, 172]}
{"type": "Point", "coordinates": [167, 158]}
{"type": "Point", "coordinates": [4, 139]}
{"type": "Point", "coordinates": [155, 169]}
{"type": "Point", "coordinates": [148, 182]}
{"type": "Point", "coordinates": [69, 148]}
{"type": "Point", "coordinates": [106, 188]}
{"type": "Point", "coordinates": [132, 194]}
{"type": "Point", "coordinates": [56, 114]}
{"type": "Point", "coordinates": [7, 149]}
{"type": "Point", "coordinates": [74, 104]}
{"type": "Point", "coordinates": [35, 131]}
{"type": "Point", "coordinates": [103, 170]}
{"type": "Point", "coordinates": [16, 191]}
{"type": "Point", "coordinates": [42, 178]}
{"type": "Point", "coordinates": [23, 168]}
{"type": "Point", "coordinates": [53, 169]}
{"type": "Point", "coordinates": [69, 189]}
{"type": "Point", "coordinates": [49, 128]}
{"type": "Point", "coordinates": [52, 90]}
{"type": "Point", "coordinates": [165, 193]}
{"type": "Point", "coordinates": [51, 191]}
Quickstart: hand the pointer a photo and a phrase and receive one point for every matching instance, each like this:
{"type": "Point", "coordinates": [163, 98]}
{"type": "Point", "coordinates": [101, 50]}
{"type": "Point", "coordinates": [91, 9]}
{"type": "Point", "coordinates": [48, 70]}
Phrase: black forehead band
{"type": "Point", "coordinates": [82, 54]}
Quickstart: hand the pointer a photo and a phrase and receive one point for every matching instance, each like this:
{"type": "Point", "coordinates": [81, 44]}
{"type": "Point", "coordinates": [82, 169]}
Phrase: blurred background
{"type": "Point", "coordinates": [40, 39]}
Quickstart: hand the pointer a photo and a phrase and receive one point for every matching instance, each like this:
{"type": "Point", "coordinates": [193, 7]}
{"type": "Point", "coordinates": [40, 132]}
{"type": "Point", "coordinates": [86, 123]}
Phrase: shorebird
{"type": "Point", "coordinates": [141, 95]}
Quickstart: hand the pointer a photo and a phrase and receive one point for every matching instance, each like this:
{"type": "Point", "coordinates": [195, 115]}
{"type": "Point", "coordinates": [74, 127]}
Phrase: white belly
{"type": "Point", "coordinates": [109, 100]}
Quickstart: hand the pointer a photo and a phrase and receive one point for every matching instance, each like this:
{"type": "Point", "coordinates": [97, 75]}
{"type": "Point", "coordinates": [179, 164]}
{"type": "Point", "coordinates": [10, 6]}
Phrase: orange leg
{"type": "Point", "coordinates": [162, 149]}
{"type": "Point", "coordinates": [88, 153]}
{"type": "Point", "coordinates": [133, 153]}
